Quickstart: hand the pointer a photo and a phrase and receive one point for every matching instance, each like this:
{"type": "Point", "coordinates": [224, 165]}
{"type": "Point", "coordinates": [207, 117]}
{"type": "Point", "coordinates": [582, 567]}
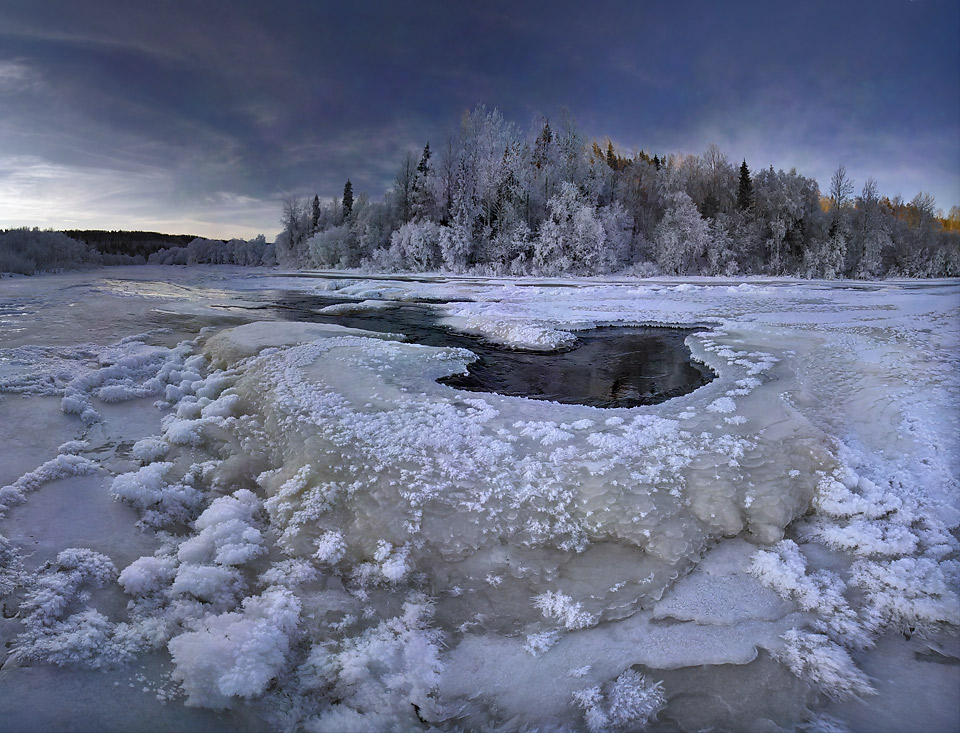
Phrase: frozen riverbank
{"type": "Point", "coordinates": [331, 538]}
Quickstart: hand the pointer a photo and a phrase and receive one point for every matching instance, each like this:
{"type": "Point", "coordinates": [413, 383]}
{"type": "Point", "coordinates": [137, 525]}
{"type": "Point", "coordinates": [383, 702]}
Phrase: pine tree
{"type": "Point", "coordinates": [347, 199]}
{"type": "Point", "coordinates": [745, 189]}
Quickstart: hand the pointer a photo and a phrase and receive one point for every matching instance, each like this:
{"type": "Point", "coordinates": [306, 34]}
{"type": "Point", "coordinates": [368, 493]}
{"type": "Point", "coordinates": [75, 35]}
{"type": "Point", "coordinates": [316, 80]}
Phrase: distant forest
{"type": "Point", "coordinates": [492, 199]}
{"type": "Point", "coordinates": [143, 244]}
{"type": "Point", "coordinates": [28, 251]}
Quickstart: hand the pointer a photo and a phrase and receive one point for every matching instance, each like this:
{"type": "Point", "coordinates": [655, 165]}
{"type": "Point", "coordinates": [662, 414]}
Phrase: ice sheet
{"type": "Point", "coordinates": [412, 553]}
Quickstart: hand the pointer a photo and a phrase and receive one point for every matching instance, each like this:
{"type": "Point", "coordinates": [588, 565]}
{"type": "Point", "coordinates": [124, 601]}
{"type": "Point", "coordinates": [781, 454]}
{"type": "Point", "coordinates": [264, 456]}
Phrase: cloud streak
{"type": "Point", "coordinates": [170, 107]}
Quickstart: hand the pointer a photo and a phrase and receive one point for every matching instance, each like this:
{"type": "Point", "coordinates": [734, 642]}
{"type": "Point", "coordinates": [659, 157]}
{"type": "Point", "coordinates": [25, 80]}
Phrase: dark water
{"type": "Point", "coordinates": [611, 367]}
{"type": "Point", "coordinates": [607, 367]}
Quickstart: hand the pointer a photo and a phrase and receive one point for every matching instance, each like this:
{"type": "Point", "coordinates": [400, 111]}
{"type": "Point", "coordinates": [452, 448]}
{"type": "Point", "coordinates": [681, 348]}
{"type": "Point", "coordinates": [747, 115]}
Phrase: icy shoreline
{"type": "Point", "coordinates": [336, 540]}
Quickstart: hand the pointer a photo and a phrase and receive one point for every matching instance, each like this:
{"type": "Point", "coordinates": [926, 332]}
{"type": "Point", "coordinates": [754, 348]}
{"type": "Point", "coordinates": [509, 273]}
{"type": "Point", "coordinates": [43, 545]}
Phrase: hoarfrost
{"type": "Point", "coordinates": [629, 705]}
{"type": "Point", "coordinates": [236, 654]}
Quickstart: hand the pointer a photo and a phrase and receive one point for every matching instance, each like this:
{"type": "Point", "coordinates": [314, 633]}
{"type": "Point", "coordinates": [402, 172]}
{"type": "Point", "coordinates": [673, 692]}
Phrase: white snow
{"type": "Point", "coordinates": [333, 540]}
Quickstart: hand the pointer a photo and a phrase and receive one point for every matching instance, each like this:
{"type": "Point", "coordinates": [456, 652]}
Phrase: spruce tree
{"type": "Point", "coordinates": [315, 215]}
{"type": "Point", "coordinates": [422, 200]}
{"type": "Point", "coordinates": [745, 189]}
{"type": "Point", "coordinates": [347, 198]}
{"type": "Point", "coordinates": [423, 167]}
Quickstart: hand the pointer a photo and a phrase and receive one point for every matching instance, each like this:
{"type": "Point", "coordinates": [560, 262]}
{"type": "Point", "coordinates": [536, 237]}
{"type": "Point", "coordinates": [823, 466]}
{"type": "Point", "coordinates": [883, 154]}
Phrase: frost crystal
{"type": "Point", "coordinates": [828, 665]}
{"type": "Point", "coordinates": [236, 653]}
{"type": "Point", "coordinates": [556, 605]}
{"type": "Point", "coordinates": [629, 705]}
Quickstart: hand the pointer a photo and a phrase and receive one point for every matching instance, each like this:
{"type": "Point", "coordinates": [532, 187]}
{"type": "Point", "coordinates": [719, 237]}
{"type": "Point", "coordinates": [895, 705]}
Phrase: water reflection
{"type": "Point", "coordinates": [608, 367]}
{"type": "Point", "coordinates": [611, 367]}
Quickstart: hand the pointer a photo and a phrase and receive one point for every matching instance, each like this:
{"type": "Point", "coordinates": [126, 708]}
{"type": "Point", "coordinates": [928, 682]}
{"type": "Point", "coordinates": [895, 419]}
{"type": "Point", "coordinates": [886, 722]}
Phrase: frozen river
{"type": "Point", "coordinates": [235, 499]}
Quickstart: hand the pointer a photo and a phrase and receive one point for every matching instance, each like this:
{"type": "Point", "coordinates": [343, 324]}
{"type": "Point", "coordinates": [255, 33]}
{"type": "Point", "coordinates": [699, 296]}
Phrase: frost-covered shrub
{"type": "Point", "coordinates": [629, 704]}
{"type": "Point", "coordinates": [825, 257]}
{"type": "Point", "coordinates": [617, 228]}
{"type": "Point", "coordinates": [169, 256]}
{"type": "Point", "coordinates": [253, 252]}
{"type": "Point", "coordinates": [455, 246]}
{"type": "Point", "coordinates": [236, 654]}
{"type": "Point", "coordinates": [572, 239]}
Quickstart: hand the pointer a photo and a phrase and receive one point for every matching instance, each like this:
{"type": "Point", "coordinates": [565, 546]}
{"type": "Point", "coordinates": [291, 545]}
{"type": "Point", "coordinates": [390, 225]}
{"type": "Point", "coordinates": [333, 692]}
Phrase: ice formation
{"type": "Point", "coordinates": [341, 542]}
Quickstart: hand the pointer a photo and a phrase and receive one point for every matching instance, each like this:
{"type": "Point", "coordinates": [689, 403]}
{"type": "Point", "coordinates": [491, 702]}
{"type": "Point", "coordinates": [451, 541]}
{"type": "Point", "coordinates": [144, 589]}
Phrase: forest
{"type": "Point", "coordinates": [493, 199]}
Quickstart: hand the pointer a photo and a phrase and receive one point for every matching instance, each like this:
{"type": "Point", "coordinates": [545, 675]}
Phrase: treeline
{"type": "Point", "coordinates": [494, 199]}
{"type": "Point", "coordinates": [132, 243]}
{"type": "Point", "coordinates": [28, 251]}
{"type": "Point", "coordinates": [251, 252]}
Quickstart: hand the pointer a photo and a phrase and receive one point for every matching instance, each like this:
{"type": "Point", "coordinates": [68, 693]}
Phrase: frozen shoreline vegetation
{"type": "Point", "coordinates": [331, 540]}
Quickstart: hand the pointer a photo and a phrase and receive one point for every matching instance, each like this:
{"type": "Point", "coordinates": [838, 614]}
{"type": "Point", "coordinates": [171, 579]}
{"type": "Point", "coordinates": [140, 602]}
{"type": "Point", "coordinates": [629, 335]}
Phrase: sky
{"type": "Point", "coordinates": [202, 116]}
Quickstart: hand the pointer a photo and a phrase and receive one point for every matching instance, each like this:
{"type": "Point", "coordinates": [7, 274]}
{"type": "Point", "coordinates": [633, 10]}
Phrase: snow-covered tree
{"type": "Point", "coordinates": [682, 236]}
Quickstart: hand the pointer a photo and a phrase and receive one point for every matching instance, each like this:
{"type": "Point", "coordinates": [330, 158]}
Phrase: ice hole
{"type": "Point", "coordinates": [613, 367]}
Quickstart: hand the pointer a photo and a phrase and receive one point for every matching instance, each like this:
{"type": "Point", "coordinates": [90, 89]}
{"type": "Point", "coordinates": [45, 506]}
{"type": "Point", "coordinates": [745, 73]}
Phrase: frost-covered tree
{"type": "Point", "coordinates": [403, 187]}
{"type": "Point", "coordinates": [841, 188]}
{"type": "Point", "coordinates": [423, 201]}
{"type": "Point", "coordinates": [330, 248]}
{"type": "Point", "coordinates": [549, 201]}
{"type": "Point", "coordinates": [682, 236]}
{"type": "Point", "coordinates": [869, 236]}
{"type": "Point", "coordinates": [572, 239]}
{"type": "Point", "coordinates": [414, 246]}
{"type": "Point", "coordinates": [291, 242]}
{"type": "Point", "coordinates": [26, 251]}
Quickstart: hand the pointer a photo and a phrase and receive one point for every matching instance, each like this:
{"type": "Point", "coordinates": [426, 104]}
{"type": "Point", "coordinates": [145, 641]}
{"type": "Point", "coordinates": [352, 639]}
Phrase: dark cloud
{"type": "Point", "coordinates": [206, 115]}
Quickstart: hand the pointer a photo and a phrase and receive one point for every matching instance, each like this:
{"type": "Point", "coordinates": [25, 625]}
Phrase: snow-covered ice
{"type": "Point", "coordinates": [303, 529]}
